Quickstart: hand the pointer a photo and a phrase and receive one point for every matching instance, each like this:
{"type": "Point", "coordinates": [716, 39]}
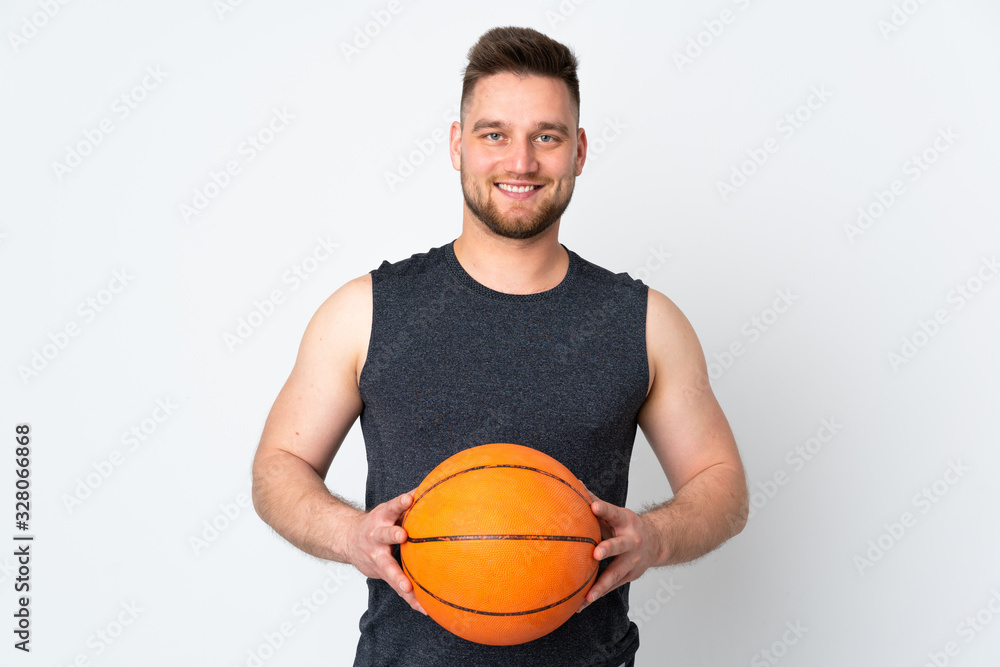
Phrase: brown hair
{"type": "Point", "coordinates": [521, 51]}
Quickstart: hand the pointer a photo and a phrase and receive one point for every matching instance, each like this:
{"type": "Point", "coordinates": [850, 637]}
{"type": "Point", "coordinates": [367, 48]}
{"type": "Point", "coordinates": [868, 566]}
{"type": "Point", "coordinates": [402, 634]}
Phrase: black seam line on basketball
{"type": "Point", "coordinates": [464, 538]}
{"type": "Point", "coordinates": [501, 613]}
{"type": "Point", "coordinates": [499, 465]}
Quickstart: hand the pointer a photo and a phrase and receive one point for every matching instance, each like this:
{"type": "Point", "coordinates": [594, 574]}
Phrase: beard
{"type": "Point", "coordinates": [518, 223]}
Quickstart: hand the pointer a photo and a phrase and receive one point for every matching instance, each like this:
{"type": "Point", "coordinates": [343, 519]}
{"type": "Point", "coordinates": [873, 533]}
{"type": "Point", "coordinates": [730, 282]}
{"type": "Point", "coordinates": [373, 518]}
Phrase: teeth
{"type": "Point", "coordinates": [516, 188]}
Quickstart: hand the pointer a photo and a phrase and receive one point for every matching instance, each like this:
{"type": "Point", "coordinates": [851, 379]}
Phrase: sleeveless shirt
{"type": "Point", "coordinates": [453, 364]}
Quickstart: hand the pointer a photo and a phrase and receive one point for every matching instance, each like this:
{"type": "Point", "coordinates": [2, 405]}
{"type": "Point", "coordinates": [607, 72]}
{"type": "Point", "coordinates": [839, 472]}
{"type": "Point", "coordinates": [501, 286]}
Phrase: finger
{"type": "Point", "coordinates": [395, 577]}
{"type": "Point", "coordinates": [414, 603]}
{"type": "Point", "coordinates": [603, 584]}
{"type": "Point", "coordinates": [610, 579]}
{"type": "Point", "coordinates": [598, 507]}
{"type": "Point", "coordinates": [396, 508]}
{"type": "Point", "coordinates": [389, 534]}
{"type": "Point", "coordinates": [612, 547]}
{"type": "Point", "coordinates": [613, 514]}
{"type": "Point", "coordinates": [407, 592]}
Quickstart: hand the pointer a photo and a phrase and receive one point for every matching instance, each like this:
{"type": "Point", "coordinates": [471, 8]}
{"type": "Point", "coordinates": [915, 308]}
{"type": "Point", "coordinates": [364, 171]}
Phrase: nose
{"type": "Point", "coordinates": [520, 157]}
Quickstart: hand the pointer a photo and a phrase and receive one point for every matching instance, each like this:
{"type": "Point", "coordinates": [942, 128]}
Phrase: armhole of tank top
{"type": "Point", "coordinates": [371, 334]}
{"type": "Point", "coordinates": [645, 339]}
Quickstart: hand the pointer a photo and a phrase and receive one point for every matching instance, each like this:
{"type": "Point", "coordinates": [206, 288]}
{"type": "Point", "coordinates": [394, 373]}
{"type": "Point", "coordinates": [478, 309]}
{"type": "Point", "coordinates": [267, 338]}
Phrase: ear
{"type": "Point", "coordinates": [581, 150]}
{"type": "Point", "coordinates": [455, 145]}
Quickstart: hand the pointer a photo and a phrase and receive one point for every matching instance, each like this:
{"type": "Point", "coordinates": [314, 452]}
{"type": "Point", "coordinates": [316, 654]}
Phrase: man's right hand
{"type": "Point", "coordinates": [373, 535]}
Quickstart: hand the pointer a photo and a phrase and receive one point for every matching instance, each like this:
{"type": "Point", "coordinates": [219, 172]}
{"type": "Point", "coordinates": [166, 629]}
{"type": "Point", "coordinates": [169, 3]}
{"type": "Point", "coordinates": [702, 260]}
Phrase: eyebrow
{"type": "Point", "coordinates": [504, 125]}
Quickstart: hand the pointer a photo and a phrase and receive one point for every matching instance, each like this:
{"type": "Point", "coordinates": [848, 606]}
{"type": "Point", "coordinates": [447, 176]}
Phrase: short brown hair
{"type": "Point", "coordinates": [521, 51]}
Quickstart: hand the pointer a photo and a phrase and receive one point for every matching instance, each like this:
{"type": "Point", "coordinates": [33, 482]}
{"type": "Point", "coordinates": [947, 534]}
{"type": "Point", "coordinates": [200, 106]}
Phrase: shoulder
{"type": "Point", "coordinates": [671, 343]}
{"type": "Point", "coordinates": [348, 311]}
{"type": "Point", "coordinates": [338, 332]}
{"type": "Point", "coordinates": [348, 303]}
{"type": "Point", "coordinates": [663, 313]}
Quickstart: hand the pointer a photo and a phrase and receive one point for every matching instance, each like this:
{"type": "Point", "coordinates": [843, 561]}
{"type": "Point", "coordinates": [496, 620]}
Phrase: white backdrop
{"type": "Point", "coordinates": [814, 184]}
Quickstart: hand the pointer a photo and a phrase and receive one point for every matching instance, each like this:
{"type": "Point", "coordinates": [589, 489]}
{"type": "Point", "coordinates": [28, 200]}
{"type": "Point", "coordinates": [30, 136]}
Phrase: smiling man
{"type": "Point", "coordinates": [554, 154]}
{"type": "Point", "coordinates": [502, 335]}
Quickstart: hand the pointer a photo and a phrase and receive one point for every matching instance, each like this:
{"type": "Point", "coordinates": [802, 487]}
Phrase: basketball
{"type": "Point", "coordinates": [500, 544]}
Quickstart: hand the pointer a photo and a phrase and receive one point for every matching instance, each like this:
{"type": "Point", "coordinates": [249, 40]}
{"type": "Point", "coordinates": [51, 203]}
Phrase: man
{"type": "Point", "coordinates": [503, 335]}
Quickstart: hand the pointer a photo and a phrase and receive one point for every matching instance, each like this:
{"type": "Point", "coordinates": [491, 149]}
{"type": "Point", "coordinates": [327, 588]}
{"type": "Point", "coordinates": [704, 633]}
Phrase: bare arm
{"type": "Point", "coordinates": [310, 418]}
{"type": "Point", "coordinates": [695, 446]}
{"type": "Point", "coordinates": [693, 442]}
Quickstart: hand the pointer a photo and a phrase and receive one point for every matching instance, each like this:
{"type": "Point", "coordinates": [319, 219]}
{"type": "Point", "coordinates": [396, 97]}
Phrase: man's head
{"type": "Point", "coordinates": [520, 51]}
{"type": "Point", "coordinates": [519, 130]}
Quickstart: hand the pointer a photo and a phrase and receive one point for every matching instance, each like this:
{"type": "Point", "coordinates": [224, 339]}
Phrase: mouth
{"type": "Point", "coordinates": [518, 190]}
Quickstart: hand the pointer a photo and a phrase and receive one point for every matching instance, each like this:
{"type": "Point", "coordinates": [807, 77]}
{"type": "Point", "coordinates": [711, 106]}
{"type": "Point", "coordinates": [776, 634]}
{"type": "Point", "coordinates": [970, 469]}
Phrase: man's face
{"type": "Point", "coordinates": [519, 134]}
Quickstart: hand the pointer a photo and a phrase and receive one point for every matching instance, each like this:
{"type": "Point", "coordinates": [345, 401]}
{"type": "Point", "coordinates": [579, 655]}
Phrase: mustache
{"type": "Point", "coordinates": [522, 177]}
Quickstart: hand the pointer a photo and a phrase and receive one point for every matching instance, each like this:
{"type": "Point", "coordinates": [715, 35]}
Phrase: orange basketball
{"type": "Point", "coordinates": [500, 544]}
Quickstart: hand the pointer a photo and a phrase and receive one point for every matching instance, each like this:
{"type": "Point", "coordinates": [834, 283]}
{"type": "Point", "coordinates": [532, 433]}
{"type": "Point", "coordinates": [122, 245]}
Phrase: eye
{"type": "Point", "coordinates": [547, 136]}
{"type": "Point", "coordinates": [493, 135]}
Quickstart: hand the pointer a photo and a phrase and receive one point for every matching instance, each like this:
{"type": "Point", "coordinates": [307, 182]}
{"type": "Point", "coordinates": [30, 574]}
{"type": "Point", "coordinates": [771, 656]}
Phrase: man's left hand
{"type": "Point", "coordinates": [630, 539]}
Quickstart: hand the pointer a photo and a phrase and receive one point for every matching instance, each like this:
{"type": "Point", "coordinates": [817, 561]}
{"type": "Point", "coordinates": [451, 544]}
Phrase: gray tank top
{"type": "Point", "coordinates": [453, 364]}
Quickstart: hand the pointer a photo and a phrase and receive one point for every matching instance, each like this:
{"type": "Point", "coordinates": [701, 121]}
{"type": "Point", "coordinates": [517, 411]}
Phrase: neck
{"type": "Point", "coordinates": [512, 266]}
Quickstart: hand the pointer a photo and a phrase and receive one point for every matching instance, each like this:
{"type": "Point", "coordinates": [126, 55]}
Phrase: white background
{"type": "Point", "coordinates": [827, 550]}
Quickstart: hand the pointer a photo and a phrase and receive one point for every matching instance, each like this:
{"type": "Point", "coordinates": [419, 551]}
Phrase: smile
{"type": "Point", "coordinates": [517, 188]}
